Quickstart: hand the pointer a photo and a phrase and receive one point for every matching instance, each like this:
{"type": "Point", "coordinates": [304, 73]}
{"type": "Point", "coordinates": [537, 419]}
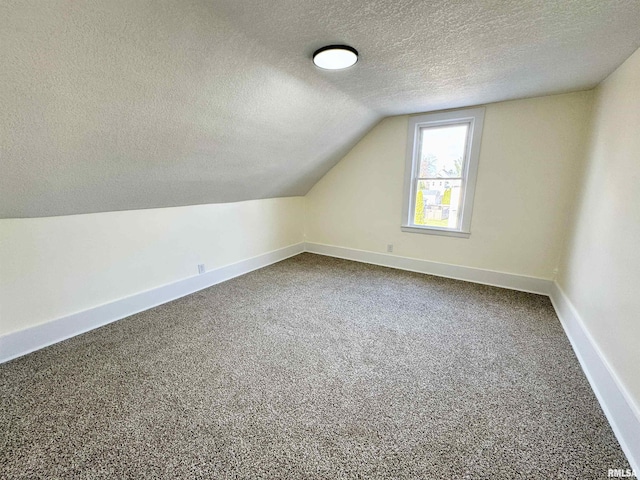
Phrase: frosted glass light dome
{"type": "Point", "coordinates": [335, 57]}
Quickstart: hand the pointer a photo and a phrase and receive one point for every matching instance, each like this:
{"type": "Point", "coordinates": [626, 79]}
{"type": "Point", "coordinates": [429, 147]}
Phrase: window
{"type": "Point", "coordinates": [440, 175]}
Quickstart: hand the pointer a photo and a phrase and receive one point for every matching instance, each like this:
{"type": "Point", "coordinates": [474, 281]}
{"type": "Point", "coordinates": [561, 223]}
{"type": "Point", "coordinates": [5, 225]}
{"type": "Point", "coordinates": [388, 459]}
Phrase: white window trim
{"type": "Point", "coordinates": [475, 118]}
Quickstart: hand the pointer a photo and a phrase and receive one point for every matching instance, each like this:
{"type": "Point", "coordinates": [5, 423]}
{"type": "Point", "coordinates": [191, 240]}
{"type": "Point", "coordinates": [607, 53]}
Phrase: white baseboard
{"type": "Point", "coordinates": [20, 343]}
{"type": "Point", "coordinates": [618, 406]}
{"type": "Point", "coordinates": [476, 275]}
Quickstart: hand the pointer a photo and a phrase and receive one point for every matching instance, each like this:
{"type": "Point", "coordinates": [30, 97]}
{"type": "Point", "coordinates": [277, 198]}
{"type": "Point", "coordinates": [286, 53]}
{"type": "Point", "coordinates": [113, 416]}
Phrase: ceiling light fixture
{"type": "Point", "coordinates": [335, 57]}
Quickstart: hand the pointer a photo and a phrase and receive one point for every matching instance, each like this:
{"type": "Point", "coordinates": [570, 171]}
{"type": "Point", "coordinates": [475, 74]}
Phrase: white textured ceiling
{"type": "Point", "coordinates": [112, 105]}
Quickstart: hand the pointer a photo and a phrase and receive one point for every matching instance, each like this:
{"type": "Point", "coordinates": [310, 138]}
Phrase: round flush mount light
{"type": "Point", "coordinates": [335, 57]}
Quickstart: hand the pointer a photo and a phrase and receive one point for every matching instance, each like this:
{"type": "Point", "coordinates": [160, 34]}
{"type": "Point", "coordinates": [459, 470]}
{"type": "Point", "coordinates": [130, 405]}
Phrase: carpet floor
{"type": "Point", "coordinates": [312, 368]}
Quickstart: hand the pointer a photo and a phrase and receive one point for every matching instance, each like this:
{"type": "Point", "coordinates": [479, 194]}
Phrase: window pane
{"type": "Point", "coordinates": [438, 203]}
{"type": "Point", "coordinates": [442, 151]}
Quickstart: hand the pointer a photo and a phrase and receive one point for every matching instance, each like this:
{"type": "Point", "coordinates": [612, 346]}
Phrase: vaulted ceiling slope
{"type": "Point", "coordinates": [127, 104]}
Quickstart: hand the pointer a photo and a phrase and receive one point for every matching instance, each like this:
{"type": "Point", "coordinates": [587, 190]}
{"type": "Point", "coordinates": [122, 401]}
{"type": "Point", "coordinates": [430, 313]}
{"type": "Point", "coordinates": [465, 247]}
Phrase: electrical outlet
{"type": "Point", "coordinates": [390, 248]}
{"type": "Point", "coordinates": [201, 268]}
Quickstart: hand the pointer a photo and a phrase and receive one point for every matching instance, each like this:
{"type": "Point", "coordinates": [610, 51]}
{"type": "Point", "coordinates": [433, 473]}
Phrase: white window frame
{"type": "Point", "coordinates": [474, 117]}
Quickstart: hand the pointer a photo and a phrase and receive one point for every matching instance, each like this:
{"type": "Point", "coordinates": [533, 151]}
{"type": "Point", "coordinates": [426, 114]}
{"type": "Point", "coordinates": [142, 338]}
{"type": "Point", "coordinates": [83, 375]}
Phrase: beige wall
{"type": "Point", "coordinates": [55, 266]}
{"type": "Point", "coordinates": [600, 271]}
{"type": "Point", "coordinates": [527, 180]}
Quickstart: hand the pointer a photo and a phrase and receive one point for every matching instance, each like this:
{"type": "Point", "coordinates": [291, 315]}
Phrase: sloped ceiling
{"type": "Point", "coordinates": [127, 104]}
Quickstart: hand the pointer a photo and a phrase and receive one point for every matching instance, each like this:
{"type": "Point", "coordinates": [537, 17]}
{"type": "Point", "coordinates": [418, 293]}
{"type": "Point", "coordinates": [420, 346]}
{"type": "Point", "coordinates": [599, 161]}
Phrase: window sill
{"type": "Point", "coordinates": [435, 231]}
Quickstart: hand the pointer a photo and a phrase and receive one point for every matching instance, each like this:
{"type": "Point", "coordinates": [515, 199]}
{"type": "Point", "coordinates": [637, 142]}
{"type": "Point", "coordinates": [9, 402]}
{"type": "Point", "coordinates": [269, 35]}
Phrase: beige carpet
{"type": "Point", "coordinates": [312, 368]}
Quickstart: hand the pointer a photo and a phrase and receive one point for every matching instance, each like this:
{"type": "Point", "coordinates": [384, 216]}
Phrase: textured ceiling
{"type": "Point", "coordinates": [112, 105]}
